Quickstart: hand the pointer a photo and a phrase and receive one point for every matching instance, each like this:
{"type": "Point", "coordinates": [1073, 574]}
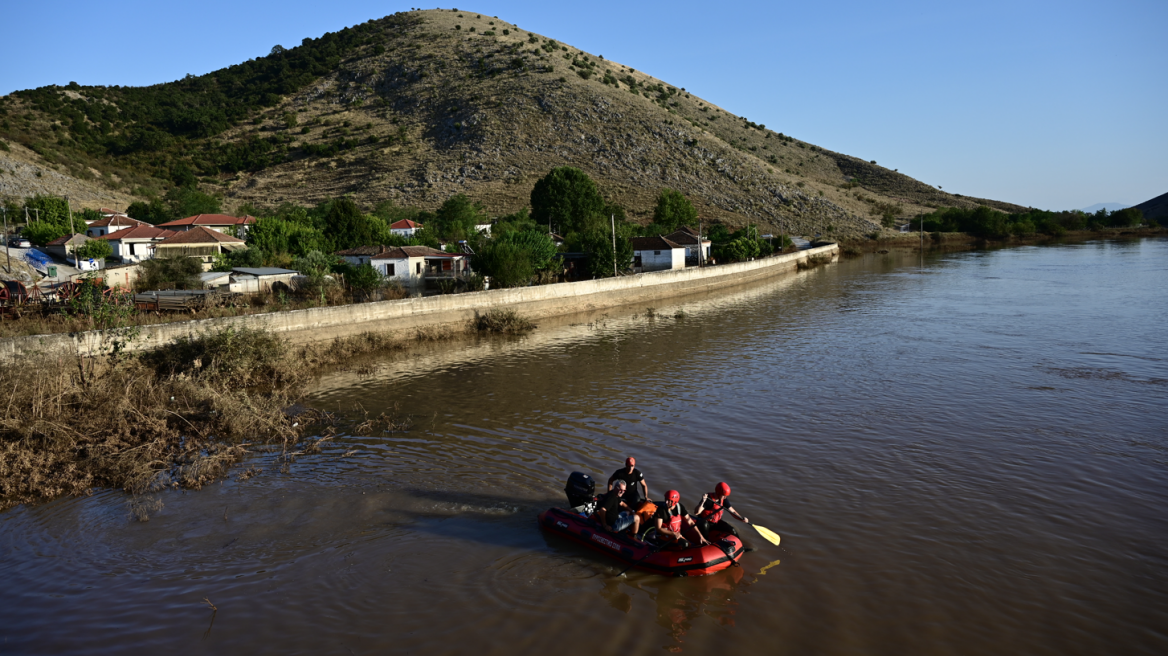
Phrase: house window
{"type": "Point", "coordinates": [419, 268]}
{"type": "Point", "coordinates": [445, 265]}
{"type": "Point", "coordinates": [656, 252]}
{"type": "Point", "coordinates": [389, 269]}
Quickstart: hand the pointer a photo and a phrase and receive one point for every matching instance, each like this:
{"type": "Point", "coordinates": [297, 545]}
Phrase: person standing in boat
{"type": "Point", "coordinates": [632, 478]}
{"type": "Point", "coordinates": [614, 514]}
{"type": "Point", "coordinates": [672, 521]}
{"type": "Point", "coordinates": [711, 508]}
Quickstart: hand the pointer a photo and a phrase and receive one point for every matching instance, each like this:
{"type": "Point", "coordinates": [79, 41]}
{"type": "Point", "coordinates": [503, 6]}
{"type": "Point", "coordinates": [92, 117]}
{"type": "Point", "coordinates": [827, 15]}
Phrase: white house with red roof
{"type": "Point", "coordinates": [405, 227]}
{"type": "Point", "coordinates": [137, 243]}
{"type": "Point", "coordinates": [411, 266]}
{"type": "Point", "coordinates": [217, 222]}
{"type": "Point", "coordinates": [112, 223]}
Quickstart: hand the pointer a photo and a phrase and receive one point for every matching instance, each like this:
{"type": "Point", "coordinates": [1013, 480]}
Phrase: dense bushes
{"type": "Point", "coordinates": [986, 223]}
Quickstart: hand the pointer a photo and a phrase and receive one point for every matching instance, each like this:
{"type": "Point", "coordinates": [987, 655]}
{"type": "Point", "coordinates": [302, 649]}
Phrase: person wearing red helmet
{"type": "Point", "coordinates": [672, 521]}
{"type": "Point", "coordinates": [711, 508]}
{"type": "Point", "coordinates": [635, 481]}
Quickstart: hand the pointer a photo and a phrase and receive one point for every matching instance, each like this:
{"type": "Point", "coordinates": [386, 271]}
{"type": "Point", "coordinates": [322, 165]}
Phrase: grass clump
{"type": "Point", "coordinates": [507, 322]}
{"type": "Point", "coordinates": [232, 357]}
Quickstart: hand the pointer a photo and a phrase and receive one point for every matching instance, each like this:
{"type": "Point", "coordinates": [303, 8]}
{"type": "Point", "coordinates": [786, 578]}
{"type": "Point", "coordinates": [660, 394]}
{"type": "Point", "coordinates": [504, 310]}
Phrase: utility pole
{"type": "Point", "coordinates": [7, 269]}
{"type": "Point", "coordinates": [612, 217]}
{"type": "Point", "coordinates": [701, 245]}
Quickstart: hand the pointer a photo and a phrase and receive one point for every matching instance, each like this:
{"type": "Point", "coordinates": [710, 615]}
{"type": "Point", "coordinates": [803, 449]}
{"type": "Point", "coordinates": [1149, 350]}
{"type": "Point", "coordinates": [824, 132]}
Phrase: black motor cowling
{"type": "Point", "coordinates": [581, 489]}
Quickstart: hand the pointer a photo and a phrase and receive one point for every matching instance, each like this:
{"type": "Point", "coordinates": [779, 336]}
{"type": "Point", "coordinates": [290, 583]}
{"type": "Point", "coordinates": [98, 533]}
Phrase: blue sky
{"type": "Point", "coordinates": [1058, 105]}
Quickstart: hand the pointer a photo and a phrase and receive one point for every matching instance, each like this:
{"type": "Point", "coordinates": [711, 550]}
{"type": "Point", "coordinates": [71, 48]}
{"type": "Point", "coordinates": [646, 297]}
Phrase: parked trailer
{"type": "Point", "coordinates": [177, 300]}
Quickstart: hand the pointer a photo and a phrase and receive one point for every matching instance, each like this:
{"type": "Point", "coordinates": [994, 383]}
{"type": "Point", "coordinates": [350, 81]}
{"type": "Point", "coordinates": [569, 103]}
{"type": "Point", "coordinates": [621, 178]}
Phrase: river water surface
{"type": "Point", "coordinates": [968, 456]}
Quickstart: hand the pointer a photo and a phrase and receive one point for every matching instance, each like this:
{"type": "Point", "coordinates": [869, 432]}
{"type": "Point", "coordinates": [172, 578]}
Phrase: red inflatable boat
{"type": "Point", "coordinates": [723, 551]}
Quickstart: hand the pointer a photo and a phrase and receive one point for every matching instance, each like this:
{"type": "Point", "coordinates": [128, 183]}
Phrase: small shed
{"type": "Point", "coordinates": [261, 279]}
{"type": "Point", "coordinates": [215, 279]}
{"type": "Point", "coordinates": [657, 254]}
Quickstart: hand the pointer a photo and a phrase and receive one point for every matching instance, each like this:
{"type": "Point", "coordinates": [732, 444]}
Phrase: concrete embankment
{"type": "Point", "coordinates": [326, 323]}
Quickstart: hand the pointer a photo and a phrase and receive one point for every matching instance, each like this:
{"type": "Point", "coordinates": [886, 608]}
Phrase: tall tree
{"type": "Point", "coordinates": [674, 211]}
{"type": "Point", "coordinates": [568, 200]}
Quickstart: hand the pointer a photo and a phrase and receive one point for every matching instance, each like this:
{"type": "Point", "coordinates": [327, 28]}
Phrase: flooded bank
{"type": "Point", "coordinates": [967, 456]}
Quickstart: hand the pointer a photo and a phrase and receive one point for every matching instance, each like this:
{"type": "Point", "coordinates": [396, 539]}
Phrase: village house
{"type": "Point", "coordinates": [697, 250]}
{"type": "Point", "coordinates": [136, 244]}
{"type": "Point", "coordinates": [657, 254]}
{"type": "Point", "coordinates": [411, 266]}
{"type": "Point", "coordinates": [64, 246]}
{"type": "Point", "coordinates": [405, 228]}
{"type": "Point", "coordinates": [113, 223]}
{"type": "Point", "coordinates": [201, 242]}
{"type": "Point", "coordinates": [232, 225]}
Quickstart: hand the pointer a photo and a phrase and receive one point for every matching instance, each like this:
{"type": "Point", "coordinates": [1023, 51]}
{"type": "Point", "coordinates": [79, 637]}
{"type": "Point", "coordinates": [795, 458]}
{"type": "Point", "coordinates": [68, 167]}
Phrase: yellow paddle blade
{"type": "Point", "coordinates": [770, 535]}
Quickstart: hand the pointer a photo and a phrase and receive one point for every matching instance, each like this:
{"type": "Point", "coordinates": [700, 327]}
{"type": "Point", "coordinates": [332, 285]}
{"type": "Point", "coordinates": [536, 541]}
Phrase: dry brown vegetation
{"type": "Point", "coordinates": [175, 417]}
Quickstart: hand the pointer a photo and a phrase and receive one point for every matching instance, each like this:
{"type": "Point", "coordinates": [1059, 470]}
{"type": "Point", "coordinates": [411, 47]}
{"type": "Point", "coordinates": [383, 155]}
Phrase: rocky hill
{"type": "Point", "coordinates": [419, 106]}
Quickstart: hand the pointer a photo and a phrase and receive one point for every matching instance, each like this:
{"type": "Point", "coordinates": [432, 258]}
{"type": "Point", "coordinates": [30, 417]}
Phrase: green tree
{"type": "Point", "coordinates": [95, 249]}
{"type": "Point", "coordinates": [169, 273]}
{"type": "Point", "coordinates": [1128, 217]}
{"type": "Point", "coordinates": [674, 211]}
{"type": "Point", "coordinates": [42, 233]}
{"type": "Point", "coordinates": [363, 278]}
{"type": "Point", "coordinates": [188, 201]}
{"type": "Point", "coordinates": [154, 211]}
{"type": "Point", "coordinates": [568, 200]}
{"type": "Point", "coordinates": [508, 264]}
{"type": "Point", "coordinates": [457, 218]}
{"type": "Point", "coordinates": [348, 227]}
{"type": "Point", "coordinates": [598, 245]}
{"type": "Point", "coordinates": [316, 266]}
{"type": "Point", "coordinates": [538, 246]}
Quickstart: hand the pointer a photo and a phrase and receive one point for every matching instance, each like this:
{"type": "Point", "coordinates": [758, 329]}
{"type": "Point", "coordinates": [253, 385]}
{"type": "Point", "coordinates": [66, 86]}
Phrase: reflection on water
{"type": "Point", "coordinates": [967, 457]}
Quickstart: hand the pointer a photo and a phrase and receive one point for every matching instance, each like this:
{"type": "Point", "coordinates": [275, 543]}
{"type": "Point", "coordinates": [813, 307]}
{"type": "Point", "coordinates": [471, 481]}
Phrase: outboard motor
{"type": "Point", "coordinates": [581, 491]}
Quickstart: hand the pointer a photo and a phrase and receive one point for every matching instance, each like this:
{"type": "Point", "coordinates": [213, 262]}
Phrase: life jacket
{"type": "Point", "coordinates": [646, 512]}
{"type": "Point", "coordinates": [710, 514]}
{"type": "Point", "coordinates": [674, 523]}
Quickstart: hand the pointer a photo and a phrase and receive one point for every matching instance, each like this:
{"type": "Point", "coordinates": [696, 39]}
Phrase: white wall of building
{"type": "Point", "coordinates": [662, 260]}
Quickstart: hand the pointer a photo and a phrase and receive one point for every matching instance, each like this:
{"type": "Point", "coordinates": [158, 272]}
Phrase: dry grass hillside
{"type": "Point", "coordinates": [454, 102]}
{"type": "Point", "coordinates": [23, 173]}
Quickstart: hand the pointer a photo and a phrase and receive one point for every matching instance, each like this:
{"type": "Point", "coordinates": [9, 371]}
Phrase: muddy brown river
{"type": "Point", "coordinates": [964, 456]}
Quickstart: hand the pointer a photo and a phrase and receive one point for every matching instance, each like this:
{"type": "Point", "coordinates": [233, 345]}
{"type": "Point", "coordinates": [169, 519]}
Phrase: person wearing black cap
{"type": "Point", "coordinates": [632, 477]}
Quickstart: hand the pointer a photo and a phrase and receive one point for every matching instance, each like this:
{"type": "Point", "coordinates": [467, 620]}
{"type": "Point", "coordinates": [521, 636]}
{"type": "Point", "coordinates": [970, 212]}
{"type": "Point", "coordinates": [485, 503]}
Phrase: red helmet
{"type": "Point", "coordinates": [630, 462]}
{"type": "Point", "coordinates": [722, 490]}
{"type": "Point", "coordinates": [672, 496]}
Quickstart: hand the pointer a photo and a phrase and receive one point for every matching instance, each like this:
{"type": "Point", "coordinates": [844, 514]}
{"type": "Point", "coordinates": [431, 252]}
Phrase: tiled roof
{"type": "Point", "coordinates": [117, 220]}
{"type": "Point", "coordinates": [264, 271]}
{"type": "Point", "coordinates": [209, 220]}
{"type": "Point", "coordinates": [362, 250]}
{"type": "Point", "coordinates": [395, 252]}
{"type": "Point", "coordinates": [64, 239]}
{"type": "Point", "coordinates": [199, 235]}
{"type": "Point", "coordinates": [653, 244]}
{"type": "Point", "coordinates": [684, 237]}
{"type": "Point", "coordinates": [138, 232]}
{"type": "Point", "coordinates": [404, 224]}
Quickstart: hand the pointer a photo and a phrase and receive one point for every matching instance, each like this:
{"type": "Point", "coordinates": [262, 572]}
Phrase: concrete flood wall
{"type": "Point", "coordinates": [317, 324]}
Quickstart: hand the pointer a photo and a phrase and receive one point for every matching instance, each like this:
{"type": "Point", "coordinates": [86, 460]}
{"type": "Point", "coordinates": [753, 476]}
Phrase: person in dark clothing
{"type": "Point", "coordinates": [632, 478]}
{"type": "Point", "coordinates": [614, 514]}
{"type": "Point", "coordinates": [711, 508]}
{"type": "Point", "coordinates": [674, 524]}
